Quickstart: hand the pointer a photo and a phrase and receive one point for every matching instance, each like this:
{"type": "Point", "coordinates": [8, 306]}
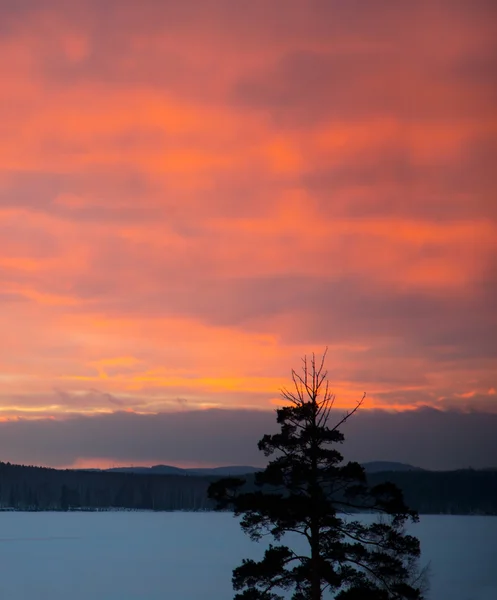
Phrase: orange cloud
{"type": "Point", "coordinates": [191, 201]}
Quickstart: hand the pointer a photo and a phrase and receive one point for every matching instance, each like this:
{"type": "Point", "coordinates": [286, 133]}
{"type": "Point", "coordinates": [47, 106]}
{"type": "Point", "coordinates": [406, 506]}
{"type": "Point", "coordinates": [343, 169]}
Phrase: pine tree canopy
{"type": "Point", "coordinates": [308, 490]}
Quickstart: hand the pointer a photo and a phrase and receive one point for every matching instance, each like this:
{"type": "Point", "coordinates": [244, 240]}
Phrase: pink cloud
{"type": "Point", "coordinates": [213, 192]}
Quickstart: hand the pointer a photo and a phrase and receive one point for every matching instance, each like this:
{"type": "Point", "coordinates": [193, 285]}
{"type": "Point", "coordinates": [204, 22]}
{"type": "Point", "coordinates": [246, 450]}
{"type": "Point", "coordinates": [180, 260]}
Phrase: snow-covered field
{"type": "Point", "coordinates": [189, 556]}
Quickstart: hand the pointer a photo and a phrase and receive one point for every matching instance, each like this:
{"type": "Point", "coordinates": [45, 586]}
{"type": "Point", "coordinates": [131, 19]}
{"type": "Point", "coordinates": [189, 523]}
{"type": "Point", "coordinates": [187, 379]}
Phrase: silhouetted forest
{"type": "Point", "coordinates": [37, 488]}
{"type": "Point", "coordinates": [459, 492]}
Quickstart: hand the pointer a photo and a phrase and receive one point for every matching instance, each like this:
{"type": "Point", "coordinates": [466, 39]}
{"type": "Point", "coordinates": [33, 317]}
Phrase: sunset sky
{"type": "Point", "coordinates": [195, 194]}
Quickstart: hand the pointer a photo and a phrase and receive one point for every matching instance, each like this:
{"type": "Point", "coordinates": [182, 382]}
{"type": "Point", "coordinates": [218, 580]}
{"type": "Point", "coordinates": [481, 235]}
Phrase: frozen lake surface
{"type": "Point", "coordinates": [189, 556]}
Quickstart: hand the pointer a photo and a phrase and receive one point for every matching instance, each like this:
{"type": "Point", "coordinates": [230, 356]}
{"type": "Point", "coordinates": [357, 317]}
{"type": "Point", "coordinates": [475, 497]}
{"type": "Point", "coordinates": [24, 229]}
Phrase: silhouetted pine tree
{"type": "Point", "coordinates": [308, 490]}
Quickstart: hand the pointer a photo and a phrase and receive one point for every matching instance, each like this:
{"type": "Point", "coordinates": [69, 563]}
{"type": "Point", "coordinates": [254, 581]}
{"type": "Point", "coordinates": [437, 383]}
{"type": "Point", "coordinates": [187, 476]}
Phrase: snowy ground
{"type": "Point", "coordinates": [189, 556]}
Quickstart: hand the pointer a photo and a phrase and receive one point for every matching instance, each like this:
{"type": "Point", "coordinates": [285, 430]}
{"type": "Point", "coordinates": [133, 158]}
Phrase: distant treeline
{"type": "Point", "coordinates": [37, 488]}
{"type": "Point", "coordinates": [461, 492]}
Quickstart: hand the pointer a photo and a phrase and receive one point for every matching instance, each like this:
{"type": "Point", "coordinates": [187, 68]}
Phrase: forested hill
{"type": "Point", "coordinates": [36, 488]}
{"type": "Point", "coordinates": [459, 492]}
{"type": "Point", "coordinates": [236, 470]}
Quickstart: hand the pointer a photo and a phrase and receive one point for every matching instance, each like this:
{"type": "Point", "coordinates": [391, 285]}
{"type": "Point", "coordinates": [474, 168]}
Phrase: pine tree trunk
{"type": "Point", "coordinates": [315, 575]}
{"type": "Point", "coordinates": [315, 550]}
